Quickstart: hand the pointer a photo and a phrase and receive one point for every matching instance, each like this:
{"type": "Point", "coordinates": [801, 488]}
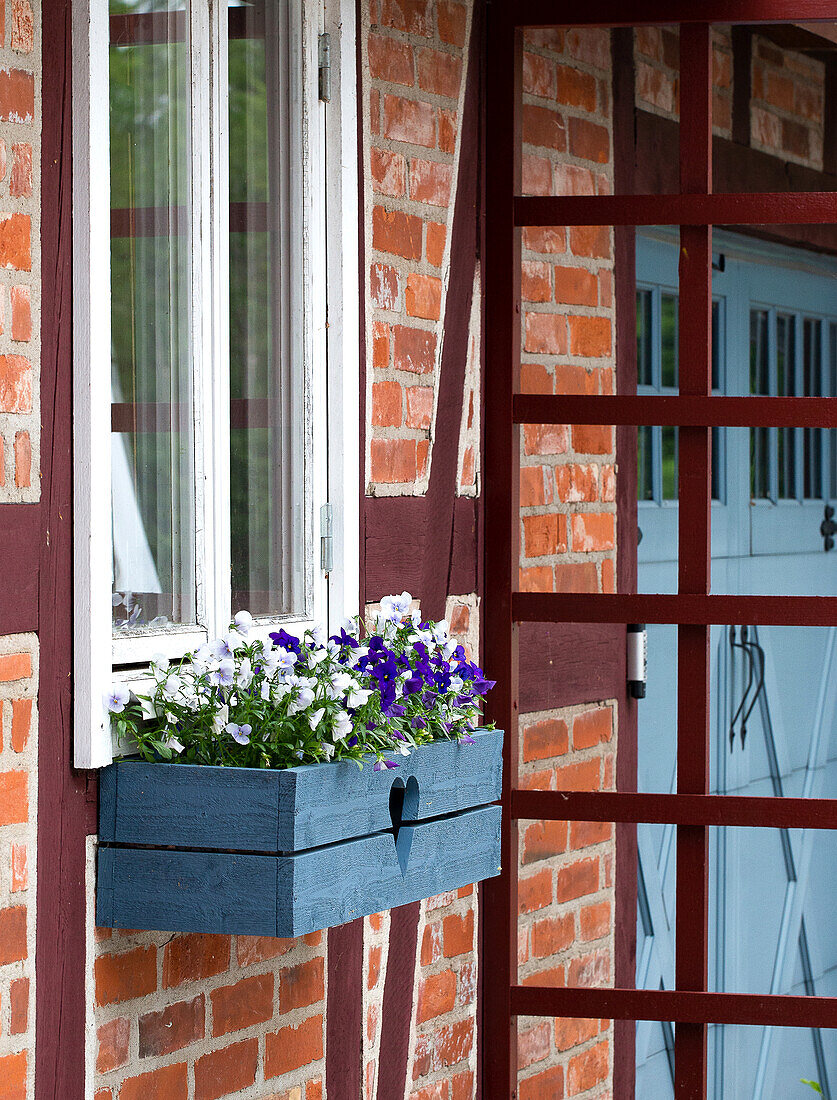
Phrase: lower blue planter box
{"type": "Point", "coordinates": [281, 853]}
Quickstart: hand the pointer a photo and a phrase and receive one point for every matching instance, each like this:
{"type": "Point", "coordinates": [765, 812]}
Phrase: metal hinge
{"type": "Point", "coordinates": [325, 67]}
{"type": "Point", "coordinates": [326, 539]}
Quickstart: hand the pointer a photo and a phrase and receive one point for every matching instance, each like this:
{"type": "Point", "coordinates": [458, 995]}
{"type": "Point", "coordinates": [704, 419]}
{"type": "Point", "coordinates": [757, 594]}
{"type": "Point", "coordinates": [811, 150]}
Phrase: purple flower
{"type": "Point", "coordinates": [286, 641]}
{"type": "Point", "coordinates": [382, 765]}
{"type": "Point", "coordinates": [345, 639]}
{"type": "Point", "coordinates": [418, 723]}
{"type": "Point", "coordinates": [398, 736]}
{"type": "Point", "coordinates": [467, 739]}
{"type": "Point", "coordinates": [395, 710]}
{"type": "Point", "coordinates": [241, 734]}
{"type": "Point", "coordinates": [352, 741]}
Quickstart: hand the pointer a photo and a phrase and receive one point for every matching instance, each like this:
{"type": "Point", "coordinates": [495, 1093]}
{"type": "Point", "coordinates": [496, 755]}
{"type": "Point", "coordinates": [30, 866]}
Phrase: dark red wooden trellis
{"type": "Point", "coordinates": [695, 209]}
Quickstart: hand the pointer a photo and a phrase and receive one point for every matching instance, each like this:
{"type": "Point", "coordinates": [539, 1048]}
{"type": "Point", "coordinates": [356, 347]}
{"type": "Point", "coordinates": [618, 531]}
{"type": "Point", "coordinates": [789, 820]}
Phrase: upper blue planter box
{"type": "Point", "coordinates": [281, 853]}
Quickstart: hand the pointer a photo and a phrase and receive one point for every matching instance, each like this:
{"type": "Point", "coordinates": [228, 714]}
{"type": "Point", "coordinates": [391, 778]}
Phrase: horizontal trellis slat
{"type": "Point", "coordinates": [675, 809]}
{"type": "Point", "coordinates": [683, 412]}
{"type": "Point", "coordinates": [675, 1005]}
{"type": "Point", "coordinates": [688, 609]}
{"type": "Point", "coordinates": [769, 208]}
{"type": "Point", "coordinates": [543, 13]}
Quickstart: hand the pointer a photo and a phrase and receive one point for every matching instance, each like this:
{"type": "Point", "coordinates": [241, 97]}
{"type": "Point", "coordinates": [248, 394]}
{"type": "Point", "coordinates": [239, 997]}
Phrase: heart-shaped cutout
{"type": "Point", "coordinates": [403, 807]}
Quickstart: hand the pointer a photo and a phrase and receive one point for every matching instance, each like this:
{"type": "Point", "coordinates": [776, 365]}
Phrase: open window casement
{"type": "Point", "coordinates": [216, 337]}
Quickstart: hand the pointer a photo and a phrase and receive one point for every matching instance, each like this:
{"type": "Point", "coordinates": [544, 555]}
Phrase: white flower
{"type": "Point", "coordinates": [172, 686]}
{"type": "Point", "coordinates": [302, 701]}
{"type": "Point", "coordinates": [244, 676]}
{"type": "Point", "coordinates": [224, 648]}
{"type": "Point", "coordinates": [396, 608]}
{"type": "Point", "coordinates": [224, 674]}
{"type": "Point", "coordinates": [117, 698]}
{"type": "Point", "coordinates": [241, 734]}
{"type": "Point", "coordinates": [342, 726]}
{"type": "Point", "coordinates": [148, 709]}
{"type": "Point", "coordinates": [357, 696]}
{"type": "Point", "coordinates": [403, 749]}
{"type": "Point", "coordinates": [327, 750]}
{"type": "Point", "coordinates": [173, 744]}
{"type": "Point", "coordinates": [440, 631]}
{"type": "Point", "coordinates": [202, 656]}
{"type": "Point", "coordinates": [279, 660]}
{"type": "Point", "coordinates": [315, 718]}
{"type": "Point", "coordinates": [243, 622]}
{"type": "Point", "coordinates": [354, 655]}
{"type": "Point", "coordinates": [317, 634]}
{"type": "Point", "coordinates": [318, 657]}
{"type": "Point", "coordinates": [220, 720]}
{"type": "Point", "coordinates": [159, 663]}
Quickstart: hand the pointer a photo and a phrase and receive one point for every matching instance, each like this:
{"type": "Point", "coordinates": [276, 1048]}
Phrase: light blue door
{"type": "Point", "coordinates": [773, 690]}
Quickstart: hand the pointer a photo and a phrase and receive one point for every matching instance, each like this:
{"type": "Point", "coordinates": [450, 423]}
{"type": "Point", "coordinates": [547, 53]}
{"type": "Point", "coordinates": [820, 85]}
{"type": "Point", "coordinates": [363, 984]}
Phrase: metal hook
{"type": "Point", "coordinates": [743, 644]}
{"type": "Point", "coordinates": [759, 688]}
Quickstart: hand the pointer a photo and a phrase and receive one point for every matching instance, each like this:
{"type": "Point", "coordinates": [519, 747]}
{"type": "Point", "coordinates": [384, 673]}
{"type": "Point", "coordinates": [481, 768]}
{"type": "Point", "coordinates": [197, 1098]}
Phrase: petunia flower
{"type": "Point", "coordinates": [382, 765]}
{"type": "Point", "coordinates": [241, 734]}
{"type": "Point", "coordinates": [117, 698]}
{"type": "Point", "coordinates": [315, 718]}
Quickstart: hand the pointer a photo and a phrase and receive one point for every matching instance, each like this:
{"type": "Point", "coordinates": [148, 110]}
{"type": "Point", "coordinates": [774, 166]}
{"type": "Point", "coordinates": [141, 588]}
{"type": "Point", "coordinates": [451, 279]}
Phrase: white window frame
{"type": "Point", "coordinates": [324, 164]}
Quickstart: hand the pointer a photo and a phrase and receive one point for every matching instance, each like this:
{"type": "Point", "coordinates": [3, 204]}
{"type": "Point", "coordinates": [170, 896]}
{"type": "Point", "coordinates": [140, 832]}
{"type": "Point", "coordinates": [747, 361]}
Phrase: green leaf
{"type": "Point", "coordinates": [812, 1085]}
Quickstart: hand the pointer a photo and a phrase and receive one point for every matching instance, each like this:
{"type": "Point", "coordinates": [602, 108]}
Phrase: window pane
{"type": "Point", "coordinates": [759, 385]}
{"type": "Point", "coordinates": [668, 324]}
{"type": "Point", "coordinates": [267, 419]}
{"type": "Point", "coordinates": [152, 442]}
{"type": "Point", "coordinates": [669, 437]}
{"type": "Point", "coordinates": [832, 392]}
{"type": "Point", "coordinates": [812, 387]}
{"type": "Point", "coordinates": [644, 368]}
{"type": "Point", "coordinates": [644, 473]}
{"type": "Point", "coordinates": [785, 387]}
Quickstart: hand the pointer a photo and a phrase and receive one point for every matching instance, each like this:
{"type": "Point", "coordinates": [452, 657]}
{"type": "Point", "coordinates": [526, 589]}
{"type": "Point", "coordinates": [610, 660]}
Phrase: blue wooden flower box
{"type": "Point", "coordinates": [281, 853]}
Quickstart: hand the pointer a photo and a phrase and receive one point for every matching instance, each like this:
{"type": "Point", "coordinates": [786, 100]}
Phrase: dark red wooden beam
{"type": "Point", "coordinates": [716, 810]}
{"type": "Point", "coordinates": [615, 13]}
{"type": "Point", "coordinates": [689, 609]}
{"type": "Point", "coordinates": [21, 541]}
{"type": "Point", "coordinates": [677, 1005]}
{"type": "Point", "coordinates": [768, 208]}
{"type": "Point", "coordinates": [693, 411]}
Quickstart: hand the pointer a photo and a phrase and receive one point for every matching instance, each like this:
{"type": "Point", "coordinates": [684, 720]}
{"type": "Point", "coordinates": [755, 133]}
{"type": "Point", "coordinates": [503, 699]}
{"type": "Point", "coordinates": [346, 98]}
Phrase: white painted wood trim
{"type": "Point", "coordinates": [342, 155]}
{"type": "Point", "coordinates": [91, 384]}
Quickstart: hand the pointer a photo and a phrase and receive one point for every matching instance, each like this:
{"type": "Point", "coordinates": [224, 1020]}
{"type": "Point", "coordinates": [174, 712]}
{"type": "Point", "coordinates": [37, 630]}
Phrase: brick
{"type": "Point", "coordinates": [533, 1045]}
{"type": "Point", "coordinates": [375, 111]}
{"type": "Point", "coordinates": [544, 535]}
{"type": "Point", "coordinates": [552, 935]}
{"type": "Point", "coordinates": [572, 576]}
{"type": "Point", "coordinates": [18, 1006]}
{"type": "Point", "coordinates": [374, 971]}
{"type": "Point", "coordinates": [23, 27]}
{"type": "Point", "coordinates": [608, 576]}
{"type": "Point", "coordinates": [410, 121]}
{"type": "Point", "coordinates": [301, 985]}
{"type": "Point", "coordinates": [588, 1069]}
{"type": "Point", "coordinates": [13, 1076]}
{"type": "Point", "coordinates": [112, 1044]}
{"type": "Point", "coordinates": [538, 76]}
{"type": "Point", "coordinates": [543, 840]}
{"type": "Point", "coordinates": [572, 1033]}
{"type": "Point", "coordinates": [548, 1085]}
{"type": "Point", "coordinates": [20, 185]}
{"type": "Point", "coordinates": [17, 96]}
{"type": "Point", "coordinates": [15, 387]}
{"type": "Point", "coordinates": [649, 42]}
{"type": "Point", "coordinates": [194, 957]}
{"type": "Point", "coordinates": [439, 73]}
{"type": "Point", "coordinates": [423, 296]}
{"type": "Point", "coordinates": [535, 486]}
{"type": "Point", "coordinates": [419, 406]}
{"type": "Point", "coordinates": [389, 172]}
{"type": "Point", "coordinates": [430, 182]}
{"type": "Point", "coordinates": [585, 833]}
{"type": "Point", "coordinates": [451, 21]}
{"type": "Point", "coordinates": [571, 179]}
{"type": "Point", "coordinates": [414, 349]}
{"type": "Point", "coordinates": [447, 131]}
{"type": "Point", "coordinates": [380, 345]}
{"type": "Point", "coordinates": [576, 483]}
{"type": "Point", "coordinates": [593, 531]}
{"type": "Point", "coordinates": [780, 91]}
{"type": "Point", "coordinates": [537, 578]}
{"type": "Point", "coordinates": [436, 995]}
{"type": "Point", "coordinates": [13, 934]}
{"type": "Point", "coordinates": [458, 934]}
{"type": "Point", "coordinates": [535, 891]}
{"type": "Point", "coordinates": [536, 175]}
{"type": "Point", "coordinates": [592, 439]}
{"type": "Point", "coordinates": [575, 880]}
{"type": "Point", "coordinates": [436, 237]}
{"type": "Point", "coordinates": [576, 286]}
{"type": "Point", "coordinates": [655, 87]}
{"type": "Point", "coordinates": [21, 722]}
{"type": "Point", "coordinates": [545, 439]}
{"type": "Point", "coordinates": [384, 286]}
{"type": "Point", "coordinates": [583, 776]}
{"type": "Point", "coordinates": [575, 89]}
{"type": "Point", "coordinates": [14, 797]}
{"type": "Point", "coordinates": [438, 1091]}
{"type": "Point", "coordinates": [390, 60]}
{"type": "Point", "coordinates": [460, 619]}
{"type": "Point", "coordinates": [590, 45]}
{"type": "Point", "coordinates": [256, 949]}
{"type": "Point", "coordinates": [462, 1086]}
{"type": "Point", "coordinates": [167, 1083]}
{"type": "Point", "coordinates": [228, 1070]}
{"type": "Point", "coordinates": [548, 239]}
{"type": "Point", "coordinates": [594, 921]}
{"type": "Point", "coordinates": [396, 232]}
{"type": "Point", "coordinates": [796, 138]}
{"type": "Point", "coordinates": [454, 1042]}
{"type": "Point", "coordinates": [546, 334]}
{"type": "Point", "coordinates": [2, 463]}
{"type": "Point", "coordinates": [535, 281]}
{"type": "Point", "coordinates": [592, 728]}
{"type": "Point", "coordinates": [422, 450]}
{"type": "Point", "coordinates": [590, 240]}
{"type": "Point", "coordinates": [172, 1028]}
{"type": "Point", "coordinates": [393, 461]}
{"type": "Point", "coordinates": [293, 1047]}
{"type": "Point", "coordinates": [411, 16]}
{"type": "Point", "coordinates": [468, 467]}
{"type": "Point", "coordinates": [386, 404]}
{"type": "Point", "coordinates": [23, 460]}
{"type": "Point", "coordinates": [543, 740]}
{"type": "Point", "coordinates": [766, 128]}
{"type": "Point", "coordinates": [537, 781]}
{"type": "Point", "coordinates": [536, 378]}
{"type": "Point", "coordinates": [544, 128]}
{"type": "Point", "coordinates": [127, 975]}
{"type": "Point", "coordinates": [590, 336]}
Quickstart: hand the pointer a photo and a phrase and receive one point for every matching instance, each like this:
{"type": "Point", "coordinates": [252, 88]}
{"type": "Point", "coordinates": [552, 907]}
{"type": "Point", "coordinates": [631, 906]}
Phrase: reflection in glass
{"type": "Point", "coordinates": [759, 384]}
{"type": "Point", "coordinates": [266, 527]}
{"type": "Point", "coordinates": [812, 387]}
{"type": "Point", "coordinates": [785, 371]}
{"type": "Point", "coordinates": [152, 443]}
{"type": "Point", "coordinates": [668, 339]}
{"type": "Point", "coordinates": [644, 351]}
